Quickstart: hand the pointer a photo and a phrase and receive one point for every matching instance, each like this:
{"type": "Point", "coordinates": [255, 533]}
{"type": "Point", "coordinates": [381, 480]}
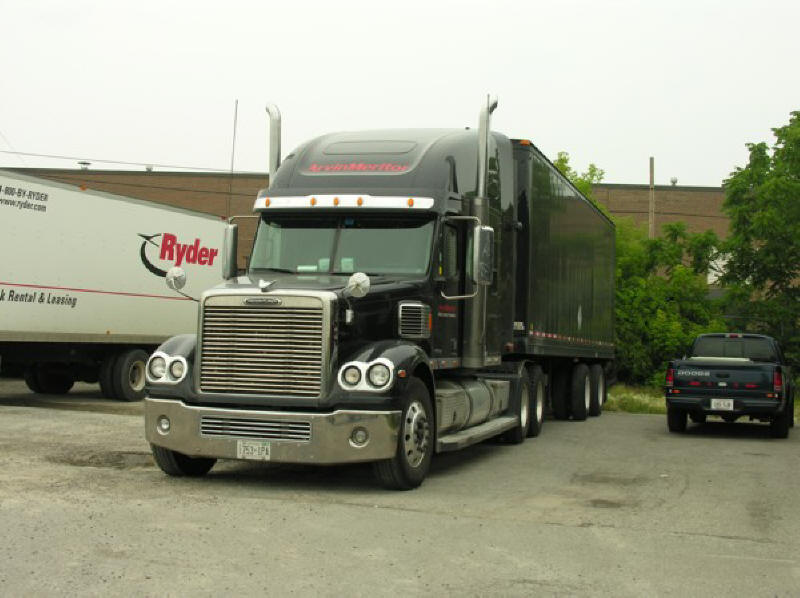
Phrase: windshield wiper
{"type": "Point", "coordinates": [284, 270]}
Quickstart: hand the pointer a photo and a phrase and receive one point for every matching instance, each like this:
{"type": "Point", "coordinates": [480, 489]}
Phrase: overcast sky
{"type": "Point", "coordinates": [612, 82]}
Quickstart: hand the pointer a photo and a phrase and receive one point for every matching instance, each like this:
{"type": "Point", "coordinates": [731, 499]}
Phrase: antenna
{"type": "Point", "coordinates": [233, 154]}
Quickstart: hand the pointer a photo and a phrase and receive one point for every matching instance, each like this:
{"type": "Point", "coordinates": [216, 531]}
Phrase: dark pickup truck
{"type": "Point", "coordinates": [731, 376]}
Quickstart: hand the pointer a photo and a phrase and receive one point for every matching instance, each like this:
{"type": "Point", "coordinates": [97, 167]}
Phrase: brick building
{"type": "Point", "coordinates": [225, 195]}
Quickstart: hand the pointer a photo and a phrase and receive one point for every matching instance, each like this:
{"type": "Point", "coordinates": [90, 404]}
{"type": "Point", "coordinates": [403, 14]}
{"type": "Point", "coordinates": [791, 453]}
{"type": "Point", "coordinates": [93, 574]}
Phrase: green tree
{"type": "Point", "coordinates": [662, 298]}
{"type": "Point", "coordinates": [763, 249]}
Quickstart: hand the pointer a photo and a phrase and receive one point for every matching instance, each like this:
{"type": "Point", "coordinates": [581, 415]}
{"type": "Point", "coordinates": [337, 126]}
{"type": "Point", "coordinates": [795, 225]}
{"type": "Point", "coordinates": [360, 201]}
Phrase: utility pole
{"type": "Point", "coordinates": [652, 211]}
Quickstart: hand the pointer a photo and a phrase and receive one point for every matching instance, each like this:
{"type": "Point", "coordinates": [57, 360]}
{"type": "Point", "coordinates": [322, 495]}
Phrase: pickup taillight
{"type": "Point", "coordinates": [777, 381]}
{"type": "Point", "coordinates": [669, 381]}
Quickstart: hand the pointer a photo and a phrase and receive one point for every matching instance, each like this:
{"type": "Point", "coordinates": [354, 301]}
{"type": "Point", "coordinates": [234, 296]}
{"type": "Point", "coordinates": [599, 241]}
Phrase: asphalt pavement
{"type": "Point", "coordinates": [615, 506]}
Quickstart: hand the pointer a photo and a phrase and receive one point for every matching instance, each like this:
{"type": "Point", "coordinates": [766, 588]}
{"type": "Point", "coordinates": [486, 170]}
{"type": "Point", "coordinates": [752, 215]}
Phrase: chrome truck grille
{"type": "Point", "coordinates": [263, 345]}
{"type": "Point", "coordinates": [255, 428]}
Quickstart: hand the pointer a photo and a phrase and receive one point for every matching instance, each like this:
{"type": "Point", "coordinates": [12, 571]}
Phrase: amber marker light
{"type": "Point", "coordinates": [336, 201]}
{"type": "Point", "coordinates": [430, 322]}
{"type": "Point", "coordinates": [410, 202]}
{"type": "Point", "coordinates": [266, 202]}
{"type": "Point", "coordinates": [360, 201]}
{"type": "Point", "coordinates": [313, 201]}
{"type": "Point", "coordinates": [524, 142]}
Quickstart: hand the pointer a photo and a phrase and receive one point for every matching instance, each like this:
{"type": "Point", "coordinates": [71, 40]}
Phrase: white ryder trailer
{"type": "Point", "coordinates": [82, 294]}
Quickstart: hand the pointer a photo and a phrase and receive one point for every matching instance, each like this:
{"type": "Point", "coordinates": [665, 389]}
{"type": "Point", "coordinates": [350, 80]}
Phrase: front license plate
{"type": "Point", "coordinates": [722, 404]}
{"type": "Point", "coordinates": [257, 450]}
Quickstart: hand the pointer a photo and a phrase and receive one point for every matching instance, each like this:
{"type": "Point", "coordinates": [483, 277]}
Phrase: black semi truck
{"type": "Point", "coordinates": [408, 292]}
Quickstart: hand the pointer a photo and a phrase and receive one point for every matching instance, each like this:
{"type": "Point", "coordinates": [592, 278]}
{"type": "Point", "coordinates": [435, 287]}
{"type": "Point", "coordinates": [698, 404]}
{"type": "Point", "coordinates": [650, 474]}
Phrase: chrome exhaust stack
{"type": "Point", "coordinates": [274, 140]}
{"type": "Point", "coordinates": [474, 347]}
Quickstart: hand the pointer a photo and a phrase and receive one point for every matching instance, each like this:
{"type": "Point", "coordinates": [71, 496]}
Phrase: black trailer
{"type": "Point", "coordinates": [409, 292]}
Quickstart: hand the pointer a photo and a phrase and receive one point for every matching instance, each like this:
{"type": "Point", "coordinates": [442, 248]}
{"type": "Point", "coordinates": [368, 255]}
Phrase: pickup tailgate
{"type": "Point", "coordinates": [724, 377]}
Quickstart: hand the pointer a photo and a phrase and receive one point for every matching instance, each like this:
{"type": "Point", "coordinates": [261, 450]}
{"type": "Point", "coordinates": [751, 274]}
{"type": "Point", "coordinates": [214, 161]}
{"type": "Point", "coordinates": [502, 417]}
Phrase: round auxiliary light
{"type": "Point", "coordinates": [163, 424]}
{"type": "Point", "coordinates": [177, 369]}
{"type": "Point", "coordinates": [359, 436]}
{"type": "Point", "coordinates": [351, 375]}
{"type": "Point", "coordinates": [157, 367]}
{"type": "Point", "coordinates": [378, 375]}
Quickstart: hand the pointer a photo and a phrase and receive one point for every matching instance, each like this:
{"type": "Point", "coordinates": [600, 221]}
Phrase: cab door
{"type": "Point", "coordinates": [447, 313]}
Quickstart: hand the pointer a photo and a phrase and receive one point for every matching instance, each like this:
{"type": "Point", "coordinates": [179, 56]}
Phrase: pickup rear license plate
{"type": "Point", "coordinates": [722, 404]}
{"type": "Point", "coordinates": [256, 450]}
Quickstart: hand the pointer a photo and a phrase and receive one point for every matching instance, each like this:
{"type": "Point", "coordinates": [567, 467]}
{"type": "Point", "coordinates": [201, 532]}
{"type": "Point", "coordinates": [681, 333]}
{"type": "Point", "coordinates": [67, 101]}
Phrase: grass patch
{"type": "Point", "coordinates": [645, 399]}
{"type": "Point", "coordinates": [633, 399]}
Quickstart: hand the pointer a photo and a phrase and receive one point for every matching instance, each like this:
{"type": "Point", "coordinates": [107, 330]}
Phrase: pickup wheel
{"type": "Point", "coordinates": [558, 392]}
{"type": "Point", "coordinates": [412, 459]}
{"type": "Point", "coordinates": [128, 375]}
{"type": "Point", "coordinates": [779, 424]}
{"type": "Point", "coordinates": [598, 386]}
{"type": "Point", "coordinates": [537, 406]}
{"type": "Point", "coordinates": [580, 392]}
{"type": "Point", "coordinates": [676, 419]}
{"type": "Point", "coordinates": [180, 465]}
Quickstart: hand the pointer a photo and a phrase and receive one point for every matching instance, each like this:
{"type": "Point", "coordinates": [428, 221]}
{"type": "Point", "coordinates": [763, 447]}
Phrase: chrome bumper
{"type": "Point", "coordinates": [326, 437]}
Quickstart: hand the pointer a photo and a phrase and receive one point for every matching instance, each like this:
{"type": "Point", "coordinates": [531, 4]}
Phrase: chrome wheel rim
{"type": "Point", "coordinates": [539, 401]}
{"type": "Point", "coordinates": [587, 393]}
{"type": "Point", "coordinates": [136, 376]}
{"type": "Point", "coordinates": [524, 409]}
{"type": "Point", "coordinates": [416, 434]}
{"type": "Point", "coordinates": [601, 384]}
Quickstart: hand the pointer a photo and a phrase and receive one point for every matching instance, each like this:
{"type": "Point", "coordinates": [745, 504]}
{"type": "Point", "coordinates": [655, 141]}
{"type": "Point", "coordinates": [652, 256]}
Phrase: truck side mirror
{"type": "Point", "coordinates": [229, 252]}
{"type": "Point", "coordinates": [483, 255]}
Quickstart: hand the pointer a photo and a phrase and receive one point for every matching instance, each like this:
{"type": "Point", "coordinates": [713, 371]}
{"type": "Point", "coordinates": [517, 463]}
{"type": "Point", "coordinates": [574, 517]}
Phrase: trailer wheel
{"type": "Point", "coordinates": [676, 419]}
{"type": "Point", "coordinates": [779, 424]}
{"type": "Point", "coordinates": [518, 434]}
{"type": "Point", "coordinates": [580, 392]}
{"type": "Point", "coordinates": [53, 381]}
{"type": "Point", "coordinates": [105, 376]}
{"type": "Point", "coordinates": [412, 460]}
{"type": "Point", "coordinates": [558, 392]}
{"type": "Point", "coordinates": [177, 464]}
{"type": "Point", "coordinates": [598, 388]}
{"type": "Point", "coordinates": [537, 407]}
{"type": "Point", "coordinates": [128, 375]}
{"type": "Point", "coordinates": [32, 378]}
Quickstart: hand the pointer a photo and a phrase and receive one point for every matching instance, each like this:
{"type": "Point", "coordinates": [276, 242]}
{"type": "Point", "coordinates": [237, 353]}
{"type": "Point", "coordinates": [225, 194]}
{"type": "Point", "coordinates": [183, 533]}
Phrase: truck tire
{"type": "Point", "coordinates": [32, 378]}
{"type": "Point", "coordinates": [779, 424]}
{"type": "Point", "coordinates": [537, 407]}
{"type": "Point", "coordinates": [53, 381]}
{"type": "Point", "coordinates": [676, 419]}
{"type": "Point", "coordinates": [412, 460]}
{"type": "Point", "coordinates": [179, 465]}
{"type": "Point", "coordinates": [597, 380]}
{"type": "Point", "coordinates": [105, 376]}
{"type": "Point", "coordinates": [558, 392]}
{"type": "Point", "coordinates": [697, 417]}
{"type": "Point", "coordinates": [580, 392]}
{"type": "Point", "coordinates": [128, 376]}
{"type": "Point", "coordinates": [518, 434]}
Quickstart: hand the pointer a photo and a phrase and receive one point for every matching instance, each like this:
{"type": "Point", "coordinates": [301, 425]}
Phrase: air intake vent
{"type": "Point", "coordinates": [413, 320]}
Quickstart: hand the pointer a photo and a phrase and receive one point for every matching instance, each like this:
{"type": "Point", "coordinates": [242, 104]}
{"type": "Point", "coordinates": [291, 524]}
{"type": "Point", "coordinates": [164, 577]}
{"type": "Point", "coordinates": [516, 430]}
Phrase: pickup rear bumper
{"type": "Point", "coordinates": [741, 406]}
{"type": "Point", "coordinates": [343, 436]}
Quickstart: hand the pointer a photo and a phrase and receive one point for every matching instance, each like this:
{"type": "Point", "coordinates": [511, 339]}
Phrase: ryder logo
{"type": "Point", "coordinates": [173, 252]}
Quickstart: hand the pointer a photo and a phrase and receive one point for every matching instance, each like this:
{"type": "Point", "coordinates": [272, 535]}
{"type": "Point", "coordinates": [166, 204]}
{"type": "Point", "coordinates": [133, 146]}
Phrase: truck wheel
{"type": "Point", "coordinates": [518, 434]}
{"type": "Point", "coordinates": [32, 378]}
{"type": "Point", "coordinates": [580, 392]}
{"type": "Point", "coordinates": [558, 392]}
{"type": "Point", "coordinates": [598, 385]}
{"type": "Point", "coordinates": [53, 381]}
{"type": "Point", "coordinates": [676, 419]}
{"type": "Point", "coordinates": [537, 407]}
{"type": "Point", "coordinates": [412, 460]}
{"type": "Point", "coordinates": [128, 376]}
{"type": "Point", "coordinates": [779, 424]}
{"type": "Point", "coordinates": [791, 412]}
{"type": "Point", "coordinates": [178, 464]}
{"type": "Point", "coordinates": [105, 376]}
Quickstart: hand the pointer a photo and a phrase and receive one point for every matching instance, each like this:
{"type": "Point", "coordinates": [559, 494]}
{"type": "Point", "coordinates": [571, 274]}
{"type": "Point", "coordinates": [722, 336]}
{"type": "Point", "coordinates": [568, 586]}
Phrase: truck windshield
{"type": "Point", "coordinates": [757, 349]}
{"type": "Point", "coordinates": [343, 243]}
